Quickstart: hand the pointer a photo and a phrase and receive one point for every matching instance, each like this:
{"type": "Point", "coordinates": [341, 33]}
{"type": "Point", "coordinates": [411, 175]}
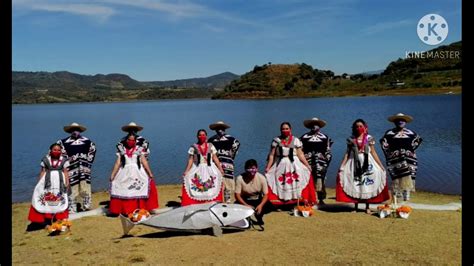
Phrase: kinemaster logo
{"type": "Point", "coordinates": [432, 29]}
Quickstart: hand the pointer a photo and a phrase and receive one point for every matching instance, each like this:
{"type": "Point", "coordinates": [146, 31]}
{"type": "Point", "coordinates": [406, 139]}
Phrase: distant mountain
{"type": "Point", "coordinates": [370, 73]}
{"type": "Point", "coordinates": [436, 71]}
{"type": "Point", "coordinates": [64, 80]}
{"type": "Point", "coordinates": [63, 86]}
{"type": "Point", "coordinates": [218, 81]}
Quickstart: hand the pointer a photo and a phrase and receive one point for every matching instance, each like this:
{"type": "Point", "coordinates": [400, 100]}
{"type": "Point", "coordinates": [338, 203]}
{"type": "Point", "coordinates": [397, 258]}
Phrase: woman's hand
{"type": "Point", "coordinates": [340, 169]}
{"type": "Point", "coordinates": [259, 209]}
{"type": "Point", "coordinates": [267, 169]}
{"type": "Point", "coordinates": [41, 174]}
{"type": "Point", "coordinates": [115, 169]}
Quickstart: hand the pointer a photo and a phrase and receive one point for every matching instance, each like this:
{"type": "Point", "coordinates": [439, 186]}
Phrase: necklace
{"type": "Point", "coordinates": [129, 152]}
{"type": "Point", "coordinates": [361, 143]}
{"type": "Point", "coordinates": [286, 143]}
{"type": "Point", "coordinates": [55, 165]}
{"type": "Point", "coordinates": [201, 151]}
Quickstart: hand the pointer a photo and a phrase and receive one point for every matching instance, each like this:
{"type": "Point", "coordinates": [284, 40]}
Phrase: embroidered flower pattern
{"type": "Point", "coordinates": [364, 180]}
{"type": "Point", "coordinates": [137, 185]}
{"type": "Point", "coordinates": [50, 199]}
{"type": "Point", "coordinates": [288, 178]}
{"type": "Point", "coordinates": [200, 186]}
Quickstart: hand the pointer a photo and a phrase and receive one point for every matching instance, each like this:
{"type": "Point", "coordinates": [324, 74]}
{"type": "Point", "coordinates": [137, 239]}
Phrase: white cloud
{"type": "Point", "coordinates": [179, 9]}
{"type": "Point", "coordinates": [385, 26]}
{"type": "Point", "coordinates": [213, 28]}
{"type": "Point", "coordinates": [92, 10]}
{"type": "Point", "coordinates": [104, 9]}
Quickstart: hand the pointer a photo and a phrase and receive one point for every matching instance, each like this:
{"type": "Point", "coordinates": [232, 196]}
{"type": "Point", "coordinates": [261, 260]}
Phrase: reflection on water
{"type": "Point", "coordinates": [171, 127]}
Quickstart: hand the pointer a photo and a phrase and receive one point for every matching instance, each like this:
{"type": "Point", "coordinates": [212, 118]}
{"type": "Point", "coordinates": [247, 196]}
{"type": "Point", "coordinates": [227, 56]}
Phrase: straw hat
{"type": "Point", "coordinates": [405, 117]}
{"type": "Point", "coordinates": [73, 127]}
{"type": "Point", "coordinates": [132, 126]}
{"type": "Point", "coordinates": [314, 121]}
{"type": "Point", "coordinates": [218, 125]}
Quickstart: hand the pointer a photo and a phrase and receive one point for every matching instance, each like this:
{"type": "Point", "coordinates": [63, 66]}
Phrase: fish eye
{"type": "Point", "coordinates": [224, 214]}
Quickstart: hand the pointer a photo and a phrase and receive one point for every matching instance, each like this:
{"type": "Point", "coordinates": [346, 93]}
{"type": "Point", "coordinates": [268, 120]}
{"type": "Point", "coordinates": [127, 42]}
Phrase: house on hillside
{"type": "Point", "coordinates": [396, 83]}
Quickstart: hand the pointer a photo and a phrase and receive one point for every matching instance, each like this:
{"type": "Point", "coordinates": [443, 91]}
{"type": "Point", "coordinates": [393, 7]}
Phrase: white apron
{"type": "Point", "coordinates": [371, 183]}
{"type": "Point", "coordinates": [288, 179]}
{"type": "Point", "coordinates": [50, 200]}
{"type": "Point", "coordinates": [203, 182]}
{"type": "Point", "coordinates": [130, 182]}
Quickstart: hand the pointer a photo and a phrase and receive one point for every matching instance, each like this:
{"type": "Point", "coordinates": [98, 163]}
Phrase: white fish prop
{"type": "Point", "coordinates": [196, 217]}
{"type": "Point", "coordinates": [105, 211]}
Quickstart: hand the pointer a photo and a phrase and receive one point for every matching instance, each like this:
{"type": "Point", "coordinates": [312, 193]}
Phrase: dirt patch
{"type": "Point", "coordinates": [339, 237]}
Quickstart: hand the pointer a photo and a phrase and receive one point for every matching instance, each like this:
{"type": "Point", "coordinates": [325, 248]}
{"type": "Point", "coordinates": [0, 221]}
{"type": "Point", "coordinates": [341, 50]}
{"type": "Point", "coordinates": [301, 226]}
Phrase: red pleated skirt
{"type": "Point", "coordinates": [126, 206]}
{"type": "Point", "coordinates": [186, 200]}
{"type": "Point", "coordinates": [341, 196]}
{"type": "Point", "coordinates": [308, 194]}
{"type": "Point", "coordinates": [36, 217]}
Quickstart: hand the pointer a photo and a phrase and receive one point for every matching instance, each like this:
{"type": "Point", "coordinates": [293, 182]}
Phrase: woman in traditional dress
{"type": "Point", "coordinates": [287, 171]}
{"type": "Point", "coordinates": [362, 177]}
{"type": "Point", "coordinates": [132, 185]}
{"type": "Point", "coordinates": [50, 201]}
{"type": "Point", "coordinates": [202, 178]}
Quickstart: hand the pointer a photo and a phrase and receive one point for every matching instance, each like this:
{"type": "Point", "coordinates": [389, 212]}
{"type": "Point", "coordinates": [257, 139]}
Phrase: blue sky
{"type": "Point", "coordinates": [165, 40]}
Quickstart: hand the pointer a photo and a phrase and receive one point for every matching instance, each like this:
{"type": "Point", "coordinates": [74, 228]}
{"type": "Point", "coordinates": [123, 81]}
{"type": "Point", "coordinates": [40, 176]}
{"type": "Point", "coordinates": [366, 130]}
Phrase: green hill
{"type": "Point", "coordinates": [446, 57]}
{"type": "Point", "coordinates": [64, 80]}
{"type": "Point", "coordinates": [276, 81]}
{"type": "Point", "coordinates": [440, 73]}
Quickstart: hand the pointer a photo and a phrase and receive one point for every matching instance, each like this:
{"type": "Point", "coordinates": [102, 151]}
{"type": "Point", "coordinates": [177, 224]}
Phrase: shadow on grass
{"type": "Point", "coordinates": [173, 203]}
{"type": "Point", "coordinates": [336, 207]}
{"type": "Point", "coordinates": [331, 207]}
{"type": "Point", "coordinates": [106, 203]}
{"type": "Point", "coordinates": [35, 227]}
{"type": "Point", "coordinates": [179, 233]}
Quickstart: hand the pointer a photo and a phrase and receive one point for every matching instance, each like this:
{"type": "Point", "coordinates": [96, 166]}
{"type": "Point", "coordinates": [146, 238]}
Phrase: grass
{"type": "Point", "coordinates": [427, 237]}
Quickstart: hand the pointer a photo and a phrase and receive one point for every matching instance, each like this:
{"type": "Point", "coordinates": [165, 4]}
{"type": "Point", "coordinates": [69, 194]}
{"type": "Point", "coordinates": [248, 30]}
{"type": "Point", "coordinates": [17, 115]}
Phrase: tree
{"type": "Point", "coordinates": [329, 73]}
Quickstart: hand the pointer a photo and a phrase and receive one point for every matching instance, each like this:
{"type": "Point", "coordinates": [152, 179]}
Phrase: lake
{"type": "Point", "coordinates": [171, 126]}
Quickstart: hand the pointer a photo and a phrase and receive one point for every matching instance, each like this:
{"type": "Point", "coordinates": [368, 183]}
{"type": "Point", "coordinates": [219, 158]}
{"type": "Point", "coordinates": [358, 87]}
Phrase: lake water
{"type": "Point", "coordinates": [171, 127]}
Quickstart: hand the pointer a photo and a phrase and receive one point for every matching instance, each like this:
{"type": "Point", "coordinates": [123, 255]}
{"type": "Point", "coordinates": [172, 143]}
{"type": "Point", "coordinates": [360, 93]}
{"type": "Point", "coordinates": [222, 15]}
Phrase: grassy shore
{"type": "Point", "coordinates": [342, 237]}
{"type": "Point", "coordinates": [338, 92]}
